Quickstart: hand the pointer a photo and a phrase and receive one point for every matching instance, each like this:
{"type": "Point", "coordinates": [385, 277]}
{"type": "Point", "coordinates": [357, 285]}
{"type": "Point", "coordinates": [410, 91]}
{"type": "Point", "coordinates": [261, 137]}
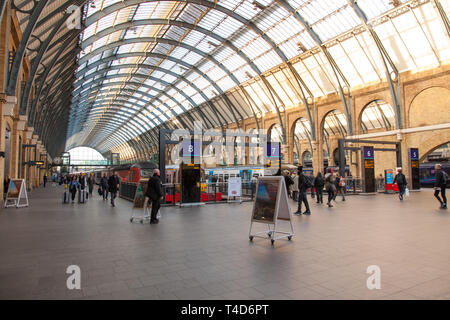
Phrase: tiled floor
{"type": "Point", "coordinates": [204, 253]}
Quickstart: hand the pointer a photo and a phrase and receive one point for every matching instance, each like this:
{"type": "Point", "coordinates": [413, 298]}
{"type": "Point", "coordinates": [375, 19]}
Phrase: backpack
{"type": "Point", "coordinates": [444, 177]}
{"type": "Point", "coordinates": [307, 182]}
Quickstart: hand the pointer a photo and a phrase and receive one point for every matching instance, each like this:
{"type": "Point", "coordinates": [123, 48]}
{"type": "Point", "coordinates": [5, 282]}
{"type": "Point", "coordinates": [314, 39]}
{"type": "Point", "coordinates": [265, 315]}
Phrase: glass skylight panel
{"type": "Point", "coordinates": [191, 13]}
{"type": "Point", "coordinates": [345, 65]}
{"type": "Point", "coordinates": [169, 78]}
{"type": "Point", "coordinates": [197, 98]}
{"type": "Point", "coordinates": [241, 10]}
{"type": "Point", "coordinates": [226, 83]}
{"type": "Point", "coordinates": [192, 58]}
{"type": "Point", "coordinates": [227, 27]}
{"type": "Point", "coordinates": [256, 48]}
{"type": "Point", "coordinates": [268, 61]}
{"type": "Point", "coordinates": [211, 19]}
{"type": "Point", "coordinates": [201, 83]}
{"type": "Point", "coordinates": [270, 17]}
{"type": "Point", "coordinates": [373, 9]}
{"type": "Point", "coordinates": [145, 10]}
{"type": "Point", "coordinates": [216, 73]}
{"type": "Point", "coordinates": [243, 37]}
{"type": "Point", "coordinates": [179, 52]}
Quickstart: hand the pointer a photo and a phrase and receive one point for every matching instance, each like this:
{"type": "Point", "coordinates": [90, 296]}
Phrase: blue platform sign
{"type": "Point", "coordinates": [414, 153]}
{"type": "Point", "coordinates": [273, 150]}
{"type": "Point", "coordinates": [368, 153]}
{"type": "Point", "coordinates": [190, 149]}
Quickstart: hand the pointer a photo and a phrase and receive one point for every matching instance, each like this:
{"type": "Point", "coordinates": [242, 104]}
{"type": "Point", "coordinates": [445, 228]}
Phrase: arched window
{"type": "Point", "coordinates": [377, 115]}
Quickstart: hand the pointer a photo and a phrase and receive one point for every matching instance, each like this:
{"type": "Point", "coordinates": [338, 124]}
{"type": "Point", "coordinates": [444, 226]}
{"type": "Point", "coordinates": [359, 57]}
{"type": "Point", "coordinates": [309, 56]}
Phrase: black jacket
{"type": "Point", "coordinates": [113, 181]}
{"type": "Point", "coordinates": [319, 182]}
{"type": "Point", "coordinates": [400, 179]}
{"type": "Point", "coordinates": [440, 181]}
{"type": "Point", "coordinates": [303, 183]}
{"type": "Point", "coordinates": [154, 188]}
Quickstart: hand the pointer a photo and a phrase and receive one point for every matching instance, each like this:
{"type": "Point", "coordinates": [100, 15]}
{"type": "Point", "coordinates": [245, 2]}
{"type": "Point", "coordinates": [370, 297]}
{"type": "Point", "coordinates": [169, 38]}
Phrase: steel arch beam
{"type": "Point", "coordinates": [98, 84]}
{"type": "Point", "coordinates": [20, 53]}
{"type": "Point", "coordinates": [394, 84]}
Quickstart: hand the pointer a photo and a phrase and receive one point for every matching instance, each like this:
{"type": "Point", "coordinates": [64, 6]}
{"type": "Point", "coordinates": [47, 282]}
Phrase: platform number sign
{"type": "Point", "coordinates": [368, 153]}
{"type": "Point", "coordinates": [273, 150]}
{"type": "Point", "coordinates": [189, 148]}
{"type": "Point", "coordinates": [414, 154]}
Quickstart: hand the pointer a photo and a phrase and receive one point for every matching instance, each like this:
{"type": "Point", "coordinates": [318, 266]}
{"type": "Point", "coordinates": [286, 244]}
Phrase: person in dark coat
{"type": "Point", "coordinates": [401, 183]}
{"type": "Point", "coordinates": [104, 186]}
{"type": "Point", "coordinates": [440, 185]}
{"type": "Point", "coordinates": [303, 185]}
{"type": "Point", "coordinates": [113, 187]}
{"type": "Point", "coordinates": [91, 182]}
{"type": "Point", "coordinates": [45, 179]}
{"type": "Point", "coordinates": [318, 185]}
{"type": "Point", "coordinates": [73, 187]}
{"type": "Point", "coordinates": [154, 192]}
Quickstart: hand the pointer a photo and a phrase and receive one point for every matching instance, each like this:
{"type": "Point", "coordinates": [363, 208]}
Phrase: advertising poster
{"type": "Point", "coordinates": [14, 189]}
{"type": "Point", "coordinates": [234, 187]}
{"type": "Point", "coordinates": [139, 196]}
{"type": "Point", "coordinates": [266, 200]}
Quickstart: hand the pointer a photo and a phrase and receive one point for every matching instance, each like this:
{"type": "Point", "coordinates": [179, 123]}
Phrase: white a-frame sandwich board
{"type": "Point", "coordinates": [16, 192]}
{"type": "Point", "coordinates": [271, 205]}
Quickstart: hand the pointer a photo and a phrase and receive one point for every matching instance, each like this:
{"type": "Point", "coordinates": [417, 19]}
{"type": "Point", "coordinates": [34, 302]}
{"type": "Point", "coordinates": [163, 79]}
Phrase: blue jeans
{"type": "Point", "coordinates": [105, 193]}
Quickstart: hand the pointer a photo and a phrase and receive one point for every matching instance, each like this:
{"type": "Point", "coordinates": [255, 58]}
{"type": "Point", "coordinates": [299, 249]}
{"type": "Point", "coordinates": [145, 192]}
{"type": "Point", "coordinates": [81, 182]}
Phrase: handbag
{"type": "Point", "coordinates": [407, 192]}
{"type": "Point", "coordinates": [99, 191]}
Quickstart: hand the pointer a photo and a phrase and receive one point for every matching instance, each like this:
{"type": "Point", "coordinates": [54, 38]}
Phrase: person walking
{"type": "Point", "coordinates": [340, 186]}
{"type": "Point", "coordinates": [82, 181]}
{"type": "Point", "coordinates": [113, 186]}
{"type": "Point", "coordinates": [295, 189]}
{"type": "Point", "coordinates": [90, 182]}
{"type": "Point", "coordinates": [288, 182]}
{"type": "Point", "coordinates": [73, 187]}
{"type": "Point", "coordinates": [45, 179]}
{"type": "Point", "coordinates": [318, 185]}
{"type": "Point", "coordinates": [104, 186]}
{"type": "Point", "coordinates": [303, 185]}
{"type": "Point", "coordinates": [154, 192]}
{"type": "Point", "coordinates": [401, 183]}
{"type": "Point", "coordinates": [440, 185]}
{"type": "Point", "coordinates": [330, 187]}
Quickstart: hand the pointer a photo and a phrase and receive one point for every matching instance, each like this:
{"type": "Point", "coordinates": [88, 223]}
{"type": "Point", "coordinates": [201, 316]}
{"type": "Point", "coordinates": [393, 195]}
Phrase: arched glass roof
{"type": "Point", "coordinates": [137, 66]}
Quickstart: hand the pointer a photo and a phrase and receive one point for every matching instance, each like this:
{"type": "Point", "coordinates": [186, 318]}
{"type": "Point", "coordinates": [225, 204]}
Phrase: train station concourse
{"type": "Point", "coordinates": [224, 150]}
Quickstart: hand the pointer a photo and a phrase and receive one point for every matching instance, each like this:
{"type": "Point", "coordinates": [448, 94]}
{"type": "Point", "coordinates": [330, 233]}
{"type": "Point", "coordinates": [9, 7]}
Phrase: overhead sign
{"type": "Point", "coordinates": [368, 153]}
{"type": "Point", "coordinates": [273, 149]}
{"type": "Point", "coordinates": [189, 148]}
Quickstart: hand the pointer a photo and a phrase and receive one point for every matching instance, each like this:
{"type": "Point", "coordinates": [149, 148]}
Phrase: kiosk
{"type": "Point", "coordinates": [190, 185]}
{"type": "Point", "coordinates": [368, 170]}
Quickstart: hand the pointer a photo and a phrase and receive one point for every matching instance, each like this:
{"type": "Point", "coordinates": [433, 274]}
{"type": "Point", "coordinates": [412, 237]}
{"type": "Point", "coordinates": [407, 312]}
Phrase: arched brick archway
{"type": "Point", "coordinates": [429, 107]}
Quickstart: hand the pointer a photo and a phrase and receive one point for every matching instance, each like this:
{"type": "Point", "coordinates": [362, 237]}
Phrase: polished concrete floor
{"type": "Point", "coordinates": [204, 253]}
